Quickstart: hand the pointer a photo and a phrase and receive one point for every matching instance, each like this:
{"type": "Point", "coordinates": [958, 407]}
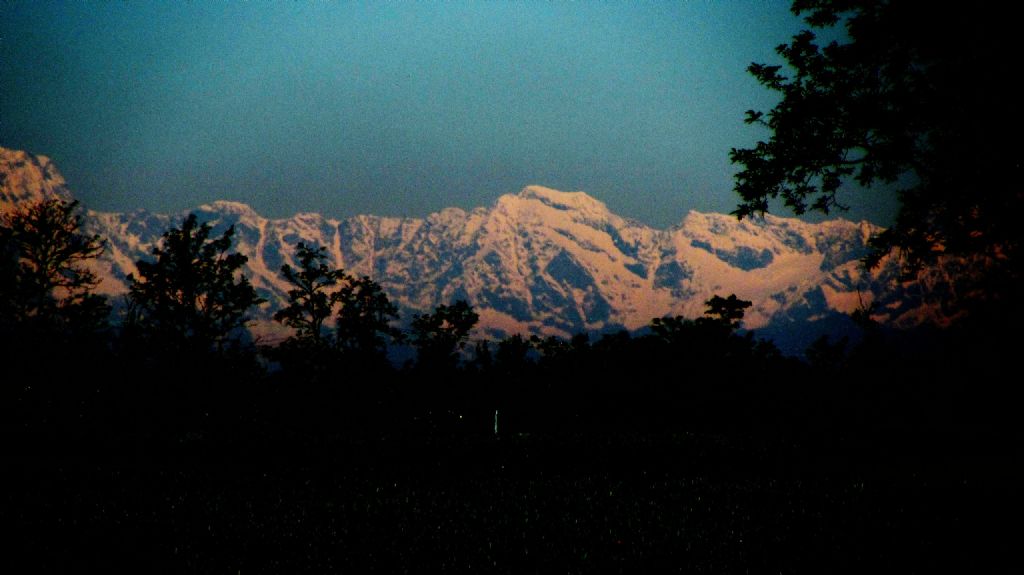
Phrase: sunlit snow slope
{"type": "Point", "coordinates": [538, 261]}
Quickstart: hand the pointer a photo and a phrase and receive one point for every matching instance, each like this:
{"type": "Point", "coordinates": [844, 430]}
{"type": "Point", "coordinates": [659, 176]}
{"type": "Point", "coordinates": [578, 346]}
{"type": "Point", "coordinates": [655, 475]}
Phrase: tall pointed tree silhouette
{"type": "Point", "coordinates": [192, 296]}
{"type": "Point", "coordinates": [314, 295]}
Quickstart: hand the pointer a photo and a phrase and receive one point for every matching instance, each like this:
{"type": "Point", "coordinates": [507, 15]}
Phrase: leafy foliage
{"type": "Point", "coordinates": [192, 295]}
{"type": "Point", "coordinates": [364, 319]}
{"type": "Point", "coordinates": [907, 96]}
{"type": "Point", "coordinates": [314, 296]}
{"type": "Point", "coordinates": [45, 283]}
{"type": "Point", "coordinates": [728, 311]}
{"type": "Point", "coordinates": [53, 336]}
{"type": "Point", "coordinates": [722, 318]}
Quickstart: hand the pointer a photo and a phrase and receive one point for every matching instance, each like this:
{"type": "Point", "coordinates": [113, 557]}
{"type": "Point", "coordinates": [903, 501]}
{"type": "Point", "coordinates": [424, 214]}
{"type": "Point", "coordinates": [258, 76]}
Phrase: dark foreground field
{"type": "Point", "coordinates": [516, 504]}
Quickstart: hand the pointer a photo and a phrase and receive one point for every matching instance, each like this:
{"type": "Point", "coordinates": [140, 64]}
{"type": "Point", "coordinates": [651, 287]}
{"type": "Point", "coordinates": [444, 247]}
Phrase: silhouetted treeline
{"type": "Point", "coordinates": [178, 369]}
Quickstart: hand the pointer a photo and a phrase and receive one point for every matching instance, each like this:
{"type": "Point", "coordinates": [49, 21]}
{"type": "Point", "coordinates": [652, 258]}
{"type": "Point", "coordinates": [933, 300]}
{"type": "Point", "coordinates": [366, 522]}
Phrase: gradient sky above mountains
{"type": "Point", "coordinates": [395, 108]}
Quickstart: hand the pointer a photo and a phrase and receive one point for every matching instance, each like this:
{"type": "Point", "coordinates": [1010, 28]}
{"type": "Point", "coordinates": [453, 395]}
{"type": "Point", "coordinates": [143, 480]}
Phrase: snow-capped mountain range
{"type": "Point", "coordinates": [537, 261]}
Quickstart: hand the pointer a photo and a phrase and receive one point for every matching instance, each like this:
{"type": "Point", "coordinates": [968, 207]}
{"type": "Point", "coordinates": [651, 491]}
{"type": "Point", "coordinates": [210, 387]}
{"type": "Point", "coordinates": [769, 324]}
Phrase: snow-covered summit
{"type": "Point", "coordinates": [26, 177]}
{"type": "Point", "coordinates": [539, 261]}
{"type": "Point", "coordinates": [232, 212]}
{"type": "Point", "coordinates": [579, 201]}
{"type": "Point", "coordinates": [230, 207]}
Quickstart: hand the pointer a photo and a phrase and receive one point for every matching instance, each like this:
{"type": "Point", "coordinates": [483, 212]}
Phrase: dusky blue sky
{"type": "Point", "coordinates": [390, 108]}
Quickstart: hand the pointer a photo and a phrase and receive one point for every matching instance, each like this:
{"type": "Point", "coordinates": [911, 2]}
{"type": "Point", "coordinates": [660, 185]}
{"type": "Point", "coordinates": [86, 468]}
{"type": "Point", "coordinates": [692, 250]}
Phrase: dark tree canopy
{"type": "Point", "coordinates": [722, 318]}
{"type": "Point", "coordinates": [727, 311]}
{"type": "Point", "coordinates": [912, 96]}
{"type": "Point", "coordinates": [45, 283]}
{"type": "Point", "coordinates": [364, 318]}
{"type": "Point", "coordinates": [439, 335]}
{"type": "Point", "coordinates": [192, 295]}
{"type": "Point", "coordinates": [364, 313]}
{"type": "Point", "coordinates": [314, 295]}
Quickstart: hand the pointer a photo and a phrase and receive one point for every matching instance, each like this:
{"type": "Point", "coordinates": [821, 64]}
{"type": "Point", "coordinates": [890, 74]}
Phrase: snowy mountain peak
{"type": "Point", "coordinates": [27, 177]}
{"type": "Point", "coordinates": [718, 223]}
{"type": "Point", "coordinates": [579, 201]}
{"type": "Point", "coordinates": [236, 211]}
{"type": "Point", "coordinates": [540, 261]}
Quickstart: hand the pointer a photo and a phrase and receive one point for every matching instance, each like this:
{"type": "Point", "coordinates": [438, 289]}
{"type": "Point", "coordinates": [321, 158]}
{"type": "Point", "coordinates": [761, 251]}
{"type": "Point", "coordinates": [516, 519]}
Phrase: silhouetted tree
{"type": "Point", "coordinates": [314, 296]}
{"type": "Point", "coordinates": [52, 325]}
{"type": "Point", "coordinates": [726, 312]}
{"type": "Point", "coordinates": [670, 329]}
{"type": "Point", "coordinates": [46, 287]}
{"type": "Point", "coordinates": [907, 95]}
{"type": "Point", "coordinates": [309, 355]}
{"type": "Point", "coordinates": [722, 318]}
{"type": "Point", "coordinates": [917, 99]}
{"type": "Point", "coordinates": [440, 335]}
{"type": "Point", "coordinates": [711, 340]}
{"type": "Point", "coordinates": [717, 332]}
{"type": "Point", "coordinates": [192, 296]}
{"type": "Point", "coordinates": [364, 320]}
